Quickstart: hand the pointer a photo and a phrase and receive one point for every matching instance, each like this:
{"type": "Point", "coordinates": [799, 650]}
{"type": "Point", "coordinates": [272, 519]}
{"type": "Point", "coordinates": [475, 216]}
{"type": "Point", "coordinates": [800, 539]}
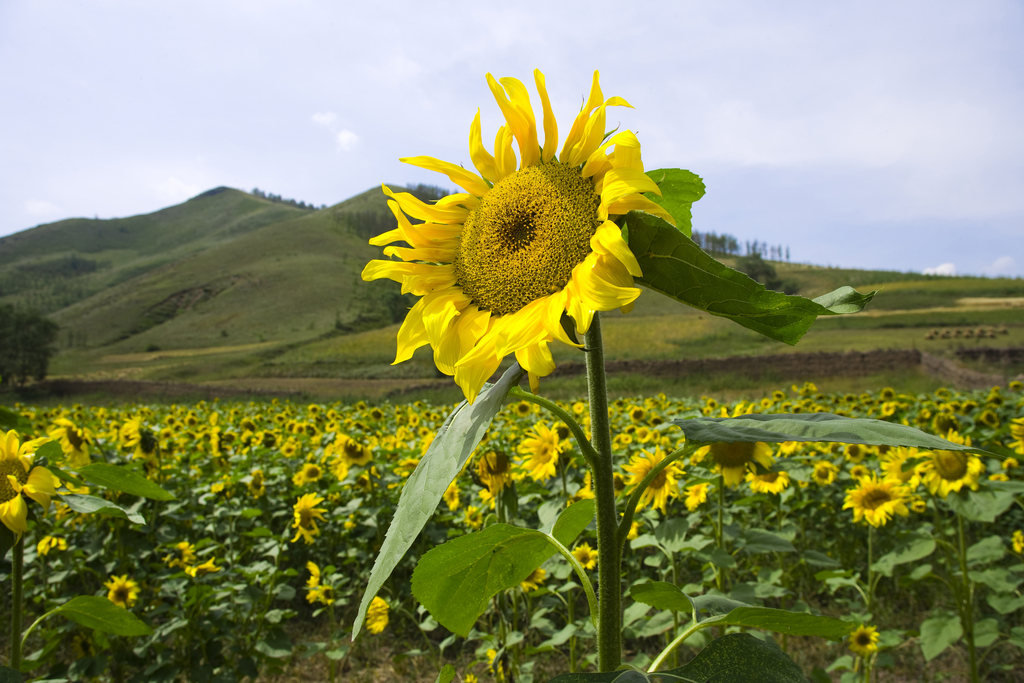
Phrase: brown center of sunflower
{"type": "Point", "coordinates": [950, 465]}
{"type": "Point", "coordinates": [732, 454]}
{"type": "Point", "coordinates": [525, 237]}
{"type": "Point", "coordinates": [13, 468]}
{"type": "Point", "coordinates": [875, 498]}
{"type": "Point", "coordinates": [121, 594]}
{"type": "Point", "coordinates": [863, 638]}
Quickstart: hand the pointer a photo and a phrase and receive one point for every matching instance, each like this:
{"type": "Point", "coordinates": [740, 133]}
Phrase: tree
{"type": "Point", "coordinates": [27, 341]}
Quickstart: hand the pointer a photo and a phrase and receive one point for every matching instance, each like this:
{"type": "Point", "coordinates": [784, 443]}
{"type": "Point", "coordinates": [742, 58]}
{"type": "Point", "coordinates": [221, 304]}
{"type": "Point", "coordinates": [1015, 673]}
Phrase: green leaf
{"type": "Point", "coordinates": [454, 442]}
{"type": "Point", "coordinates": [96, 612]}
{"type": "Point", "coordinates": [980, 506]}
{"type": "Point", "coordinates": [910, 549]}
{"type": "Point", "coordinates": [456, 580]}
{"type": "Point", "coordinates": [777, 428]}
{"type": "Point", "coordinates": [790, 623]}
{"type": "Point", "coordinates": [93, 505]}
{"type": "Point", "coordinates": [10, 419]}
{"type": "Point", "coordinates": [762, 541]}
{"type": "Point", "coordinates": [679, 190]}
{"type": "Point", "coordinates": [1005, 604]}
{"type": "Point", "coordinates": [671, 534]}
{"type": "Point", "coordinates": [662, 595]}
{"type": "Point", "coordinates": [716, 605]}
{"type": "Point", "coordinates": [124, 480]}
{"type": "Point", "coordinates": [50, 450]}
{"type": "Point", "coordinates": [996, 578]}
{"type": "Point", "coordinates": [986, 550]}
{"type": "Point", "coordinates": [986, 632]}
{"type": "Point", "coordinates": [573, 520]}
{"type": "Point", "coordinates": [939, 633]}
{"type": "Point", "coordinates": [674, 265]}
{"type": "Point", "coordinates": [819, 559]}
{"type": "Point", "coordinates": [446, 675]}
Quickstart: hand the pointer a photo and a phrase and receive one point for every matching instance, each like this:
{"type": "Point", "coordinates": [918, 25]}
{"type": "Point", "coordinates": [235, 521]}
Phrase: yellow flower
{"type": "Point", "coordinates": [858, 472]}
{"type": "Point", "coordinates": [309, 473]}
{"type": "Point", "coordinates": [585, 555]}
{"type": "Point", "coordinates": [498, 265]}
{"type": "Point", "coordinates": [49, 543]}
{"type": "Point", "coordinates": [876, 501]}
{"type": "Point", "coordinates": [73, 441]}
{"type": "Point", "coordinates": [203, 569]}
{"type": "Point", "coordinates": [377, 615]}
{"type": "Point", "coordinates": [770, 482]}
{"type": "Point", "coordinates": [696, 495]}
{"type": "Point", "coordinates": [471, 678]}
{"type": "Point", "coordinates": [947, 471]}
{"type": "Point", "coordinates": [314, 575]}
{"type": "Point", "coordinates": [186, 555]}
{"type": "Point", "coordinates": [864, 640]}
{"type": "Point", "coordinates": [316, 591]}
{"type": "Point", "coordinates": [306, 515]}
{"type": "Point", "coordinates": [256, 485]}
{"type": "Point", "coordinates": [1018, 542]}
{"type": "Point", "coordinates": [354, 452]}
{"type": "Point", "coordinates": [824, 473]}
{"type": "Point", "coordinates": [894, 466]}
{"type": "Point", "coordinates": [733, 460]}
{"type": "Point", "coordinates": [661, 487]}
{"type": "Point", "coordinates": [534, 580]}
{"type": "Point", "coordinates": [451, 496]}
{"type": "Point", "coordinates": [17, 476]}
{"type": "Point", "coordinates": [541, 448]}
{"type": "Point", "coordinates": [123, 591]}
{"type": "Point", "coordinates": [634, 531]}
{"type": "Point", "coordinates": [474, 517]}
{"type": "Point", "coordinates": [494, 471]}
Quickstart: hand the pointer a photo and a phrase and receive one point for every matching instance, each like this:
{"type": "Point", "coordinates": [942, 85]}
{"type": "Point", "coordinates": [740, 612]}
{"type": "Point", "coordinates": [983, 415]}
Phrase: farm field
{"type": "Point", "coordinates": [256, 566]}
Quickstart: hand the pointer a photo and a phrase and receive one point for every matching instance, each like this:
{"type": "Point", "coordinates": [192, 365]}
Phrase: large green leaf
{"type": "Point", "coordinates": [454, 442]}
{"type": "Point", "coordinates": [763, 541]}
{"type": "Point", "coordinates": [783, 621]}
{"type": "Point", "coordinates": [573, 520]}
{"type": "Point", "coordinates": [456, 580]}
{"type": "Point", "coordinates": [674, 265]}
{"type": "Point", "coordinates": [911, 548]}
{"type": "Point", "coordinates": [91, 505]}
{"type": "Point", "coordinates": [980, 506]}
{"type": "Point", "coordinates": [679, 190]}
{"type": "Point", "coordinates": [96, 612]}
{"type": "Point", "coordinates": [124, 480]}
{"type": "Point", "coordinates": [939, 633]}
{"type": "Point", "coordinates": [662, 595]}
{"type": "Point", "coordinates": [782, 427]}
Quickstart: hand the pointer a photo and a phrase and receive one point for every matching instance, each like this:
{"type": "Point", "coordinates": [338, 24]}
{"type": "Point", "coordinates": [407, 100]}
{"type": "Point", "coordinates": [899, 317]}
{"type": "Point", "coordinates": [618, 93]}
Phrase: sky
{"type": "Point", "coordinates": [859, 134]}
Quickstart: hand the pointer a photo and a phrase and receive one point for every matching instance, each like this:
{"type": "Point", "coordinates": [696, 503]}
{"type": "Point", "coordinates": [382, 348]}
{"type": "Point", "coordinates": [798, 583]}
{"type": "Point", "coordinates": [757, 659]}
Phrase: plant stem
{"type": "Point", "coordinates": [17, 600]}
{"type": "Point", "coordinates": [609, 552]}
{"type": "Point", "coordinates": [967, 603]}
{"type": "Point", "coordinates": [718, 530]}
{"type": "Point", "coordinates": [871, 574]}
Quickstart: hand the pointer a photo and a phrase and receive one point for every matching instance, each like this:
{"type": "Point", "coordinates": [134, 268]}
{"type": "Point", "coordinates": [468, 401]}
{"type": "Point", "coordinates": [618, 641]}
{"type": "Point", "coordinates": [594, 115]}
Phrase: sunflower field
{"type": "Point", "coordinates": [259, 553]}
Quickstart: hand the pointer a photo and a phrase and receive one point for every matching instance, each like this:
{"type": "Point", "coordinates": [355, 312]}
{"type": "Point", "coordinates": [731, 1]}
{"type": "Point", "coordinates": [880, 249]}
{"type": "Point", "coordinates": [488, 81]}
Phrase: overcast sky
{"type": "Point", "coordinates": [863, 134]}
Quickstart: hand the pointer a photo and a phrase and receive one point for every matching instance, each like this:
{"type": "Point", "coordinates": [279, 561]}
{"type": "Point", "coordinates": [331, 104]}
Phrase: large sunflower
{"type": "Point", "coordinates": [498, 265]}
{"type": "Point", "coordinates": [944, 472]}
{"type": "Point", "coordinates": [876, 501]}
{"type": "Point", "coordinates": [17, 477]}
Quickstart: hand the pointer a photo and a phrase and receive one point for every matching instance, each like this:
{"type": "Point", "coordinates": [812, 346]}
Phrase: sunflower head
{"type": "Point", "coordinates": [733, 460]}
{"type": "Point", "coordinates": [529, 241]}
{"type": "Point", "coordinates": [876, 501]}
{"type": "Point", "coordinates": [864, 640]}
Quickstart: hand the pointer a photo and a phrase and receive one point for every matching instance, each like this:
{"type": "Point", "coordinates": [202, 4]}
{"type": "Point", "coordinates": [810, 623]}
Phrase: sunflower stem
{"type": "Point", "coordinates": [609, 552]}
{"type": "Point", "coordinates": [967, 602]}
{"type": "Point", "coordinates": [17, 600]}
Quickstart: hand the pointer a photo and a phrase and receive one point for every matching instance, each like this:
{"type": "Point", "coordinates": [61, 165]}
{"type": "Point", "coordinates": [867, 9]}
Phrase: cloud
{"type": "Point", "coordinates": [347, 140]}
{"type": "Point", "coordinates": [324, 118]}
{"type": "Point", "coordinates": [1004, 265]}
{"type": "Point", "coordinates": [944, 269]}
{"type": "Point", "coordinates": [38, 207]}
{"type": "Point", "coordinates": [177, 190]}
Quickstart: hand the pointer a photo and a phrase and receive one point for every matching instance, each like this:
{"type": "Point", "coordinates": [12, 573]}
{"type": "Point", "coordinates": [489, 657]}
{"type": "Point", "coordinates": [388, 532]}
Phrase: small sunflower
{"type": "Point", "coordinates": [824, 473]}
{"type": "Point", "coordinates": [49, 543]}
{"type": "Point", "coordinates": [451, 496]}
{"type": "Point", "coordinates": [203, 569]}
{"type": "Point", "coordinates": [183, 555]}
{"type": "Point", "coordinates": [309, 473]}
{"type": "Point", "coordinates": [734, 460]}
{"type": "Point", "coordinates": [74, 441]}
{"type": "Point", "coordinates": [541, 448]}
{"type": "Point", "coordinates": [663, 485]}
{"type": "Point", "coordinates": [769, 482]}
{"type": "Point", "coordinates": [494, 470]}
{"type": "Point", "coordinates": [534, 581]}
{"type": "Point", "coordinates": [696, 496]}
{"type": "Point", "coordinates": [896, 463]}
{"type": "Point", "coordinates": [18, 476]}
{"type": "Point", "coordinates": [876, 501]}
{"type": "Point", "coordinates": [256, 484]}
{"type": "Point", "coordinates": [377, 615]}
{"type": "Point", "coordinates": [585, 555]}
{"type": "Point", "coordinates": [864, 641]}
{"type": "Point", "coordinates": [498, 265]}
{"type": "Point", "coordinates": [1018, 542]}
{"type": "Point", "coordinates": [944, 472]}
{"type": "Point", "coordinates": [306, 515]}
{"type": "Point", "coordinates": [122, 591]}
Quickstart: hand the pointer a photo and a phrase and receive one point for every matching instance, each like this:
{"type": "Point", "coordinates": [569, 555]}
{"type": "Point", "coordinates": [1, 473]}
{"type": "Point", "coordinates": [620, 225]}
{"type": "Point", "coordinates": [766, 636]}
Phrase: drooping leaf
{"type": "Point", "coordinates": [909, 549]}
{"type": "Point", "coordinates": [456, 580]}
{"type": "Point", "coordinates": [96, 612]}
{"type": "Point", "coordinates": [763, 541]}
{"type": "Point", "coordinates": [124, 480]}
{"type": "Point", "coordinates": [573, 520]}
{"type": "Point", "coordinates": [93, 505]}
{"type": "Point", "coordinates": [454, 442]}
{"type": "Point", "coordinates": [939, 633]}
{"type": "Point", "coordinates": [790, 623]}
{"type": "Point", "coordinates": [674, 265]}
{"type": "Point", "coordinates": [679, 190]}
{"type": "Point", "coordinates": [777, 428]}
{"type": "Point", "coordinates": [980, 506]}
{"type": "Point", "coordinates": [662, 595]}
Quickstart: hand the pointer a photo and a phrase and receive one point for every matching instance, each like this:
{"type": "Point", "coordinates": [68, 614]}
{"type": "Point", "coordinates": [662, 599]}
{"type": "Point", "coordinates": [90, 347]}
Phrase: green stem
{"type": "Point", "coordinates": [871, 574]}
{"type": "Point", "coordinates": [679, 640]}
{"type": "Point", "coordinates": [17, 600]}
{"type": "Point", "coordinates": [719, 575]}
{"type": "Point", "coordinates": [609, 552]}
{"type": "Point", "coordinates": [967, 609]}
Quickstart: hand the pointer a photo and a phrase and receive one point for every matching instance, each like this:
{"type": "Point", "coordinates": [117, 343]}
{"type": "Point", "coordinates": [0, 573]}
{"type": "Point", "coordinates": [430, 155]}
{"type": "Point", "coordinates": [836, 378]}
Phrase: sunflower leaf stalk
{"type": "Point", "coordinates": [17, 600]}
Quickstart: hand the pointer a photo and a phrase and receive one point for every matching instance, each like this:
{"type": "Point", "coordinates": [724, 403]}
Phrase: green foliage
{"type": "Point", "coordinates": [26, 345]}
{"type": "Point", "coordinates": [122, 479]}
{"type": "Point", "coordinates": [679, 190]}
{"type": "Point", "coordinates": [100, 614]}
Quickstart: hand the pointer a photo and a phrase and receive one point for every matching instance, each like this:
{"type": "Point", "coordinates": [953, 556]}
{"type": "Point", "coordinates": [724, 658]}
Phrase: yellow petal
{"type": "Point", "coordinates": [504, 157]}
{"type": "Point", "coordinates": [439, 312]}
{"type": "Point", "coordinates": [418, 278]}
{"type": "Point", "coordinates": [576, 132]}
{"type": "Point", "coordinates": [482, 159]}
{"type": "Point", "coordinates": [412, 335]}
{"type": "Point", "coordinates": [638, 202]}
{"type": "Point", "coordinates": [468, 181]}
{"type": "Point", "coordinates": [40, 486]}
{"type": "Point", "coordinates": [519, 114]}
{"type": "Point", "coordinates": [593, 134]}
{"type": "Point", "coordinates": [608, 240]}
{"type": "Point", "coordinates": [475, 368]}
{"type": "Point", "coordinates": [536, 360]}
{"type": "Point", "coordinates": [460, 337]}
{"type": "Point", "coordinates": [14, 515]}
{"type": "Point", "coordinates": [427, 212]}
{"type": "Point", "coordinates": [420, 235]}
{"type": "Point", "coordinates": [619, 183]}
{"type": "Point", "coordinates": [598, 288]}
{"type": "Point", "coordinates": [550, 123]}
{"type": "Point", "coordinates": [626, 147]}
{"type": "Point", "coordinates": [433, 255]}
